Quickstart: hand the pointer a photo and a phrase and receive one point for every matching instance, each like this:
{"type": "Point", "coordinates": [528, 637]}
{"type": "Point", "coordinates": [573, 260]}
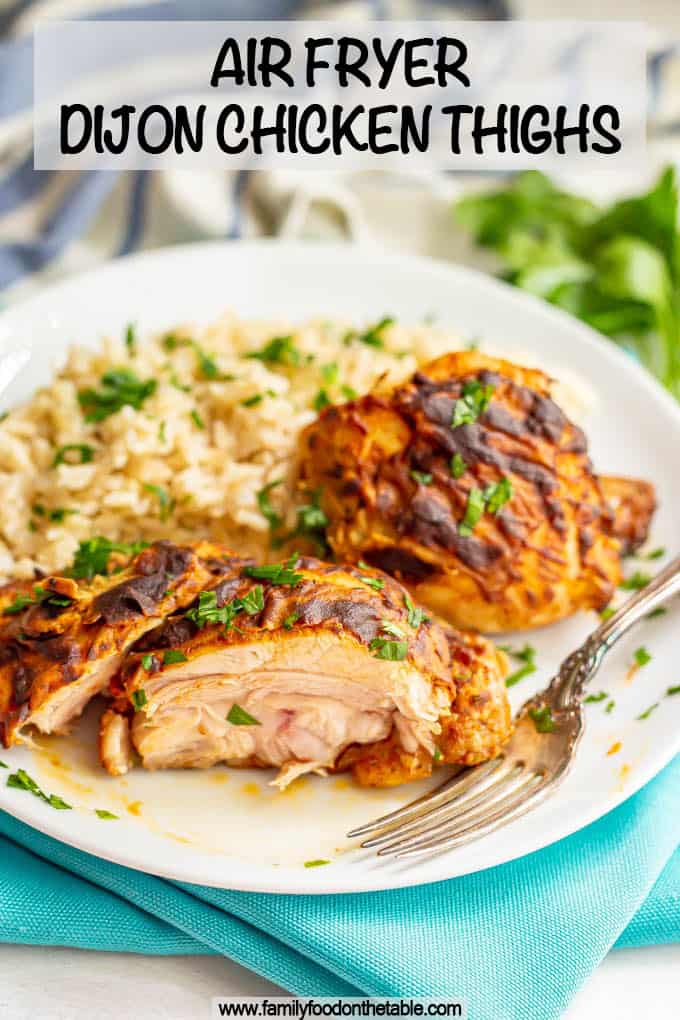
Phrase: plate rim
{"type": "Point", "coordinates": [287, 879]}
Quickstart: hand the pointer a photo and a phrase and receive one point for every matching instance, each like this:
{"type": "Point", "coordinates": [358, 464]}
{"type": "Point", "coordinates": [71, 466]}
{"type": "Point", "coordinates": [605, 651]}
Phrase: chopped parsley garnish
{"type": "Point", "coordinates": [148, 662]}
{"type": "Point", "coordinates": [276, 573]}
{"type": "Point", "coordinates": [207, 365]}
{"type": "Point", "coordinates": [321, 400]}
{"type": "Point", "coordinates": [673, 690]}
{"type": "Point", "coordinates": [458, 466]}
{"type": "Point", "coordinates": [119, 388]}
{"type": "Point", "coordinates": [253, 602]}
{"type": "Point", "coordinates": [437, 755]}
{"type": "Point", "coordinates": [642, 656]}
{"type": "Point", "coordinates": [279, 351]}
{"type": "Point", "coordinates": [207, 610]}
{"type": "Point", "coordinates": [329, 373]}
{"type": "Point", "coordinates": [542, 719]}
{"type": "Point", "coordinates": [108, 816]}
{"type": "Point", "coordinates": [594, 698]}
{"type": "Point", "coordinates": [376, 583]}
{"type": "Point", "coordinates": [4, 765]}
{"type": "Point", "coordinates": [257, 398]}
{"type": "Point", "coordinates": [422, 477]}
{"type": "Point", "coordinates": [609, 707]}
{"type": "Point", "coordinates": [316, 864]}
{"type": "Point", "coordinates": [348, 392]}
{"type": "Point", "coordinates": [473, 402]}
{"type": "Point", "coordinates": [182, 387]}
{"type": "Point", "coordinates": [496, 496]}
{"type": "Point", "coordinates": [173, 655]}
{"type": "Point", "coordinates": [130, 338]}
{"type": "Point", "coordinates": [607, 613]}
{"type": "Point", "coordinates": [20, 780]}
{"type": "Point", "coordinates": [83, 452]}
{"type": "Point", "coordinates": [197, 420]}
{"type": "Point", "coordinates": [38, 509]}
{"type": "Point", "coordinates": [291, 620]}
{"type": "Point", "coordinates": [311, 524]}
{"type": "Point", "coordinates": [473, 512]}
{"type": "Point", "coordinates": [139, 698]}
{"type": "Point", "coordinates": [384, 648]}
{"type": "Point", "coordinates": [373, 336]}
{"type": "Point", "coordinates": [655, 554]}
{"type": "Point", "coordinates": [416, 616]}
{"type": "Point", "coordinates": [60, 514]}
{"type": "Point", "coordinates": [161, 432]}
{"type": "Point", "coordinates": [92, 555]}
{"type": "Point", "coordinates": [165, 504]}
{"type": "Point", "coordinates": [527, 655]}
{"type": "Point", "coordinates": [636, 581]}
{"type": "Point", "coordinates": [266, 509]}
{"type": "Point", "coordinates": [239, 717]}
{"type": "Point", "coordinates": [648, 711]}
{"type": "Point", "coordinates": [20, 603]}
{"type": "Point", "coordinates": [393, 629]}
{"type": "Point", "coordinates": [659, 611]}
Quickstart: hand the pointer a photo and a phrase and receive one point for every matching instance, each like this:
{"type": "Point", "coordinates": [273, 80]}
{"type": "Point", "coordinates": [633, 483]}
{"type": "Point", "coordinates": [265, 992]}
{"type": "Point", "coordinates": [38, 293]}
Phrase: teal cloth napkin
{"type": "Point", "coordinates": [515, 940]}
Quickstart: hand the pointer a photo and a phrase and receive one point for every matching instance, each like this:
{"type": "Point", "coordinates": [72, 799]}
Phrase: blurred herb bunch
{"type": "Point", "coordinates": [618, 268]}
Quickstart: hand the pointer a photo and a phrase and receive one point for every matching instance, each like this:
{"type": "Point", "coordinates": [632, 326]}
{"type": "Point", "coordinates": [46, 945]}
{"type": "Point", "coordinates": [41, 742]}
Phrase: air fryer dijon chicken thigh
{"type": "Point", "coordinates": [470, 485]}
{"type": "Point", "coordinates": [63, 637]}
{"type": "Point", "coordinates": [307, 667]}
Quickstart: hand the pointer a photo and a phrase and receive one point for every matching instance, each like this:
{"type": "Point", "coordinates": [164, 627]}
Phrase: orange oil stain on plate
{"type": "Point", "coordinates": [135, 807]}
{"type": "Point", "coordinates": [615, 748]}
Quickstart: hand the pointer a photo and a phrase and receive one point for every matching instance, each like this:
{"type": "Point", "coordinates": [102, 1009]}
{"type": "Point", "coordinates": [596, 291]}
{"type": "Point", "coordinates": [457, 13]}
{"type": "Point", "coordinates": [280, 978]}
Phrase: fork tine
{"type": "Point", "coordinates": [479, 791]}
{"type": "Point", "coordinates": [514, 807]}
{"type": "Point", "coordinates": [478, 809]}
{"type": "Point", "coordinates": [454, 786]}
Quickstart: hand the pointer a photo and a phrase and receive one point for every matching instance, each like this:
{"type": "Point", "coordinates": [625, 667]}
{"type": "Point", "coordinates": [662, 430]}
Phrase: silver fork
{"type": "Point", "coordinates": [476, 801]}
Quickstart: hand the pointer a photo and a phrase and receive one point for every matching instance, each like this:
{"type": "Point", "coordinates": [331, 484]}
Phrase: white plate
{"type": "Point", "coordinates": [226, 828]}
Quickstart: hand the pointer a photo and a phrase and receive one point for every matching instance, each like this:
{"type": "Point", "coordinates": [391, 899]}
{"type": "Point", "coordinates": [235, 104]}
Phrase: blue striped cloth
{"type": "Point", "coordinates": [515, 941]}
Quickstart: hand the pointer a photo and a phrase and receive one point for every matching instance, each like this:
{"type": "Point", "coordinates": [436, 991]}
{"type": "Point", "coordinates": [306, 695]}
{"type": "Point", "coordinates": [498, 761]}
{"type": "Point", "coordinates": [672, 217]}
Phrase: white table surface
{"type": "Point", "coordinates": [69, 984]}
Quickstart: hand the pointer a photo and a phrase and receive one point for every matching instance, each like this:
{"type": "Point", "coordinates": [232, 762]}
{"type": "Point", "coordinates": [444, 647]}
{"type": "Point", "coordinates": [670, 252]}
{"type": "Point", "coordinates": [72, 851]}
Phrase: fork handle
{"type": "Point", "coordinates": [583, 664]}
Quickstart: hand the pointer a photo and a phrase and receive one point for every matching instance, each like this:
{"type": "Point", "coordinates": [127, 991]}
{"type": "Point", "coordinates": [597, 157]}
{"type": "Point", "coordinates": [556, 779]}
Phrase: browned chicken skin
{"type": "Point", "coordinates": [319, 668]}
{"type": "Point", "coordinates": [479, 440]}
{"type": "Point", "coordinates": [62, 639]}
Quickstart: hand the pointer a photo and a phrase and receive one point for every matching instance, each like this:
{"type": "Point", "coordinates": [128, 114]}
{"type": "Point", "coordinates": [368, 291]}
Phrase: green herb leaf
{"type": "Point", "coordinates": [92, 555]}
{"type": "Point", "coordinates": [291, 620]}
{"type": "Point", "coordinates": [473, 402]}
{"type": "Point", "coordinates": [329, 373]}
{"type": "Point", "coordinates": [609, 707]}
{"type": "Point", "coordinates": [60, 514]}
{"type": "Point", "coordinates": [253, 602]}
{"type": "Point", "coordinates": [84, 454]}
{"type": "Point", "coordinates": [520, 674]}
{"type": "Point", "coordinates": [165, 503]}
{"type": "Point", "coordinates": [182, 387]}
{"type": "Point", "coordinates": [496, 496]}
{"type": "Point", "coordinates": [266, 509]}
{"type": "Point", "coordinates": [197, 420]}
{"type": "Point", "coordinates": [458, 466]}
{"type": "Point", "coordinates": [437, 755]}
{"type": "Point", "coordinates": [105, 815]}
{"type": "Point", "coordinates": [207, 365]}
{"type": "Point", "coordinates": [655, 554]}
{"type": "Point", "coordinates": [422, 477]}
{"type": "Point", "coordinates": [321, 400]}
{"type": "Point", "coordinates": [376, 583]}
{"type": "Point", "coordinates": [646, 714]}
{"type": "Point", "coordinates": [635, 582]}
{"type": "Point", "coordinates": [395, 651]}
{"type": "Point", "coordinates": [311, 524]}
{"type": "Point", "coordinates": [542, 719]}
{"type": "Point", "coordinates": [642, 656]}
{"type": "Point", "coordinates": [673, 690]}
{"type": "Point", "coordinates": [139, 698]}
{"type": "Point", "coordinates": [607, 613]}
{"type": "Point", "coordinates": [119, 388]}
{"type": "Point", "coordinates": [3, 765]}
{"type": "Point", "coordinates": [253, 401]}
{"type": "Point", "coordinates": [373, 336]}
{"type": "Point", "coordinates": [659, 611]}
{"type": "Point", "coordinates": [594, 698]}
{"type": "Point", "coordinates": [239, 717]}
{"type": "Point", "coordinates": [416, 615]}
{"type": "Point", "coordinates": [348, 392]}
{"type": "Point", "coordinates": [20, 780]}
{"type": "Point", "coordinates": [316, 864]}
{"type": "Point", "coordinates": [148, 662]}
{"type": "Point", "coordinates": [280, 350]}
{"type": "Point", "coordinates": [173, 655]}
{"type": "Point", "coordinates": [473, 512]}
{"type": "Point", "coordinates": [391, 628]}
{"type": "Point", "coordinates": [130, 339]}
{"type": "Point", "coordinates": [276, 573]}
{"type": "Point", "coordinates": [20, 603]}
